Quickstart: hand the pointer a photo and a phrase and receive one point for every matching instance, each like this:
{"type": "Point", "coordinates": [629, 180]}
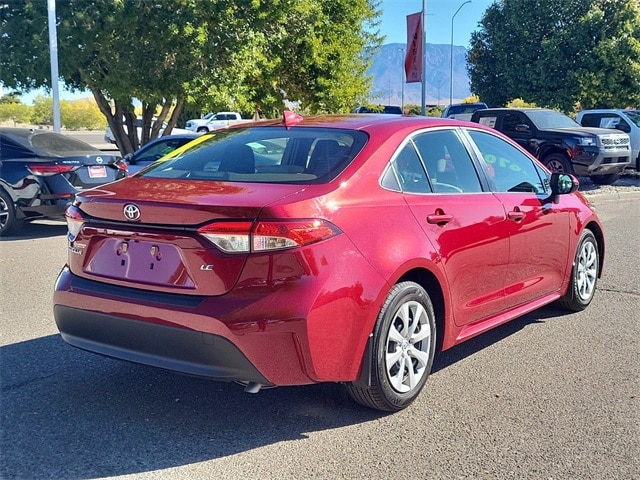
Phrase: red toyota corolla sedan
{"type": "Point", "coordinates": [329, 249]}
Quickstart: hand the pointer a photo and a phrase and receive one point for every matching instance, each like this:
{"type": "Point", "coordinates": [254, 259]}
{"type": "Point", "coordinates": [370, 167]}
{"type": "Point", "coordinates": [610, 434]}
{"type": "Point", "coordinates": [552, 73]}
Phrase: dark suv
{"type": "Point", "coordinates": [562, 144]}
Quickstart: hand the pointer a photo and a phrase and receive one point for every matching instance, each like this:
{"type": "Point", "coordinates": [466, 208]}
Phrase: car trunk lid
{"type": "Point", "coordinates": [143, 233]}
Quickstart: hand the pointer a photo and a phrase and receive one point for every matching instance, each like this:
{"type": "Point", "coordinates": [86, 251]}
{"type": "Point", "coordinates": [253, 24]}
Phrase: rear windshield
{"type": "Point", "coordinates": [263, 155]}
{"type": "Point", "coordinates": [464, 108]}
{"type": "Point", "coordinates": [51, 143]}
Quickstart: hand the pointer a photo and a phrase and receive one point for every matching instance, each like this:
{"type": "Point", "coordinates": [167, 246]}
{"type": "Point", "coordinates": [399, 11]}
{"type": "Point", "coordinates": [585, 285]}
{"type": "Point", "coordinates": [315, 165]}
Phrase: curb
{"type": "Point", "coordinates": [596, 198]}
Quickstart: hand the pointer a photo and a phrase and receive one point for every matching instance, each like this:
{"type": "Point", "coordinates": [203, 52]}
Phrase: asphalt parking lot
{"type": "Point", "coordinates": [548, 396]}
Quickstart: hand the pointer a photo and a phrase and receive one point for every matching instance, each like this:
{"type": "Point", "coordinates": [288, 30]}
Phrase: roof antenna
{"type": "Point", "coordinates": [291, 118]}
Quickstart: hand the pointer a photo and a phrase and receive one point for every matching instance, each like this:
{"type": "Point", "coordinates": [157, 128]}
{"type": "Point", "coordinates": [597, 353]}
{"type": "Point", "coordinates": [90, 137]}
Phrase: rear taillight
{"type": "Point", "coordinates": [46, 170]}
{"type": "Point", "coordinates": [122, 165]}
{"type": "Point", "coordinates": [75, 221]}
{"type": "Point", "coordinates": [231, 237]}
{"type": "Point", "coordinates": [243, 237]}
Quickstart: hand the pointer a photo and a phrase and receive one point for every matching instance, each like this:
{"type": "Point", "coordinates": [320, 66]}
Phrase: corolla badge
{"type": "Point", "coordinates": [131, 212]}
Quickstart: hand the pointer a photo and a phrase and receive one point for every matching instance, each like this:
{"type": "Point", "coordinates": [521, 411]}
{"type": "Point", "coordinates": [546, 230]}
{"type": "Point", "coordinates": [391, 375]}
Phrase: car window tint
{"type": "Point", "coordinates": [265, 155]}
{"type": "Point", "coordinates": [410, 171]}
{"type": "Point", "coordinates": [448, 162]}
{"type": "Point", "coordinates": [510, 169]}
{"type": "Point", "coordinates": [58, 144]}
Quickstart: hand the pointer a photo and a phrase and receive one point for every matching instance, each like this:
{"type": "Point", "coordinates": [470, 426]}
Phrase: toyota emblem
{"type": "Point", "coordinates": [131, 211]}
{"type": "Point", "coordinates": [99, 160]}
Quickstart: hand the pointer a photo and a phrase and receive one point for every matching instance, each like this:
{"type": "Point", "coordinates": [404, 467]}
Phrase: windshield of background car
{"type": "Point", "coordinates": [544, 119]}
{"type": "Point", "coordinates": [464, 108]}
{"type": "Point", "coordinates": [264, 155]}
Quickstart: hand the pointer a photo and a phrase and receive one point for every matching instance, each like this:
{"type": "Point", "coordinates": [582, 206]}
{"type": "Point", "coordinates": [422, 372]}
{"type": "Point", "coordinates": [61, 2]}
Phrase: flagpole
{"type": "Point", "coordinates": [423, 109]}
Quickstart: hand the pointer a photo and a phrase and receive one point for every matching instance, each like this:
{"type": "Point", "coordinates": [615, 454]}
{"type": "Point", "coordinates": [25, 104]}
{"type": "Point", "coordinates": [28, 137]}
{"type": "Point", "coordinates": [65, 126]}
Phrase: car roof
{"type": "Point", "coordinates": [174, 136]}
{"type": "Point", "coordinates": [516, 109]}
{"type": "Point", "coordinates": [361, 122]}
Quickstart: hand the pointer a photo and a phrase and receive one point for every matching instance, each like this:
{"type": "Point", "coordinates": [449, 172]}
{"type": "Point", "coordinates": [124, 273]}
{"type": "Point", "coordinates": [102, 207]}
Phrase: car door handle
{"type": "Point", "coordinates": [439, 218]}
{"type": "Point", "coordinates": [516, 215]}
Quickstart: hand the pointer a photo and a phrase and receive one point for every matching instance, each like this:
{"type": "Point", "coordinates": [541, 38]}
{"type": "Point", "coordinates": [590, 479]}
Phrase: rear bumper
{"type": "Point", "coordinates": [177, 349]}
{"type": "Point", "coordinates": [295, 332]}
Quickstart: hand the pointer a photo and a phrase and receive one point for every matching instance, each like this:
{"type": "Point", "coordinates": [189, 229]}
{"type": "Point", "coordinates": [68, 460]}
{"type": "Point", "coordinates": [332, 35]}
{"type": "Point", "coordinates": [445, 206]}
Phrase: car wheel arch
{"type": "Point", "coordinates": [432, 284]}
{"type": "Point", "coordinates": [547, 150]}
{"type": "Point", "coordinates": [599, 234]}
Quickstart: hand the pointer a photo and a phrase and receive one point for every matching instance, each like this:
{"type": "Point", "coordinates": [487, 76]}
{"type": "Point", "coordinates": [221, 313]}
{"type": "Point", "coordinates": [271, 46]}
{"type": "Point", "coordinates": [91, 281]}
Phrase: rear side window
{"type": "Point", "coordinates": [448, 162]}
{"type": "Point", "coordinates": [264, 155]}
{"type": "Point", "coordinates": [410, 171]}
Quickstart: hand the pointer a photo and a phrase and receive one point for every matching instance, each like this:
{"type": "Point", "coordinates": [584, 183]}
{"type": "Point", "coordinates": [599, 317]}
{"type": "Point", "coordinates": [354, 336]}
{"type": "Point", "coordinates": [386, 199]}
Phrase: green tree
{"type": "Point", "coordinates": [42, 111]}
{"type": "Point", "coordinates": [81, 114]}
{"type": "Point", "coordinates": [558, 53]}
{"type": "Point", "coordinates": [14, 111]}
{"type": "Point", "coordinates": [205, 54]}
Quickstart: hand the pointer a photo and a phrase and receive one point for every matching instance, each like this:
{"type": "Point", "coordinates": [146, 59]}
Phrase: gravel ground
{"type": "Point", "coordinates": [629, 182]}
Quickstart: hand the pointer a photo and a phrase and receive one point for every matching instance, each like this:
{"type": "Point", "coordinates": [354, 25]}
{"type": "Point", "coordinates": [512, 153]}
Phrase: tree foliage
{"type": "Point", "coordinates": [74, 114]}
{"type": "Point", "coordinates": [205, 54]}
{"type": "Point", "coordinates": [14, 111]}
{"type": "Point", "coordinates": [558, 53]}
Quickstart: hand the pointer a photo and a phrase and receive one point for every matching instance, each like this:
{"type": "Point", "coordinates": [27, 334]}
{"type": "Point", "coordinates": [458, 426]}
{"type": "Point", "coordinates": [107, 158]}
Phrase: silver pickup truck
{"type": "Point", "coordinates": [627, 121]}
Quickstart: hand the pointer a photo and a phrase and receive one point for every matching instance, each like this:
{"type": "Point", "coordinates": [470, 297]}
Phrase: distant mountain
{"type": "Point", "coordinates": [388, 74]}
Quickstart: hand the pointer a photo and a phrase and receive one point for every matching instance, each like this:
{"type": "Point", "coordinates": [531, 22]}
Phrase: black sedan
{"type": "Point", "coordinates": [155, 149]}
{"type": "Point", "coordinates": [41, 171]}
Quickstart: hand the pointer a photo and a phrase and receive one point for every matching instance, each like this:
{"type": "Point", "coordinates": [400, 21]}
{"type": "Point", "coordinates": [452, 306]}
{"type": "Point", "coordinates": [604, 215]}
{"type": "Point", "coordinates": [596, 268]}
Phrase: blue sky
{"type": "Point", "coordinates": [439, 12]}
{"type": "Point", "coordinates": [393, 25]}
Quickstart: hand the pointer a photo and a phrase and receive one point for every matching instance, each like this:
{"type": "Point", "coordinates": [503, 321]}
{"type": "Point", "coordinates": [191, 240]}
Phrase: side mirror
{"type": "Point", "coordinates": [562, 184]}
{"type": "Point", "coordinates": [129, 157]}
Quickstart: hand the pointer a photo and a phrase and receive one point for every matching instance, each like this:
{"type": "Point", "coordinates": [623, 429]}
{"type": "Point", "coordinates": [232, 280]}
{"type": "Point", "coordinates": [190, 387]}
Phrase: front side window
{"type": "Point", "coordinates": [264, 155]}
{"type": "Point", "coordinates": [509, 168]}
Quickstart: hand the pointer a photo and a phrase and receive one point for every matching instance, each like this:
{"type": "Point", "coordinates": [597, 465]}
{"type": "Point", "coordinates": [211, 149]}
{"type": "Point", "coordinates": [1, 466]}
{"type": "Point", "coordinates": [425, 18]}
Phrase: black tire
{"type": "Point", "coordinates": [584, 274]}
{"type": "Point", "coordinates": [202, 130]}
{"type": "Point", "coordinates": [405, 331]}
{"type": "Point", "coordinates": [558, 163]}
{"type": "Point", "coordinates": [8, 222]}
{"type": "Point", "coordinates": [605, 179]}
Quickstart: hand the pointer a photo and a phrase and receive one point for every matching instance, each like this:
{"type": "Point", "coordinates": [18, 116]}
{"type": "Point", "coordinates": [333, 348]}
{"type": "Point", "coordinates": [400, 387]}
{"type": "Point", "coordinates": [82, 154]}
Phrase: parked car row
{"type": "Point", "coordinates": [562, 144]}
{"type": "Point", "coordinates": [331, 249]}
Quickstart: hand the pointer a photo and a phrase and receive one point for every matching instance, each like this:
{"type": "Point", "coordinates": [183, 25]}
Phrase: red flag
{"type": "Point", "coordinates": [413, 60]}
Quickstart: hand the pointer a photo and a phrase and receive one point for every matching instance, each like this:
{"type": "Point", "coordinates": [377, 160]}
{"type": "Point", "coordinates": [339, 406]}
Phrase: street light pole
{"type": "Point", "coordinates": [402, 74]}
{"type": "Point", "coordinates": [451, 60]}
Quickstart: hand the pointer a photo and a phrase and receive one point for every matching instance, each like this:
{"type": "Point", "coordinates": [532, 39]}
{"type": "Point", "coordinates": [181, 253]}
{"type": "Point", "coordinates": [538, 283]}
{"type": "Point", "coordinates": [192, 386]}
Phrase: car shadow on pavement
{"type": "Point", "coordinates": [38, 229]}
{"type": "Point", "coordinates": [476, 344]}
{"type": "Point", "coordinates": [67, 414]}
